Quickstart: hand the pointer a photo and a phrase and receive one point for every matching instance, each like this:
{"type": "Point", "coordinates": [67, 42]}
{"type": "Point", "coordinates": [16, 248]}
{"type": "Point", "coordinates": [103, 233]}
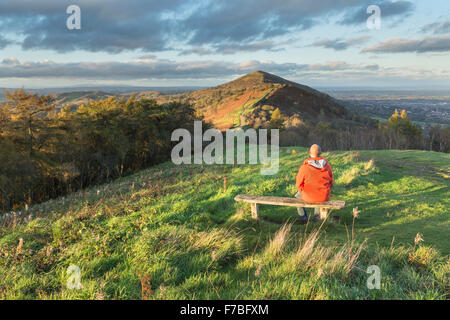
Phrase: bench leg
{"type": "Point", "coordinates": [255, 211]}
{"type": "Point", "coordinates": [323, 213]}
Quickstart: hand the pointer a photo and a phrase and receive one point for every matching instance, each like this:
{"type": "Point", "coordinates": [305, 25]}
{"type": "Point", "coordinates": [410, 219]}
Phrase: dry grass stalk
{"type": "Point", "coordinates": [146, 287]}
{"type": "Point", "coordinates": [20, 246]}
{"type": "Point", "coordinates": [279, 240]}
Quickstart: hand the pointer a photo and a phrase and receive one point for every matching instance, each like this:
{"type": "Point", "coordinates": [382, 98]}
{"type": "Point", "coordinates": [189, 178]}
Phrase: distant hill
{"type": "Point", "coordinates": [247, 101]}
{"type": "Point", "coordinates": [251, 99]}
{"type": "Point", "coordinates": [79, 95]}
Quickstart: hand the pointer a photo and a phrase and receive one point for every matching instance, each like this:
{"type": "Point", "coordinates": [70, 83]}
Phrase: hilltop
{"type": "Point", "coordinates": [251, 99]}
{"type": "Point", "coordinates": [174, 232]}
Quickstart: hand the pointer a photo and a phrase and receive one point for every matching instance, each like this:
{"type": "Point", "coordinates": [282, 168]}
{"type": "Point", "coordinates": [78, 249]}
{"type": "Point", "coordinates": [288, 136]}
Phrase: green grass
{"type": "Point", "coordinates": [173, 232]}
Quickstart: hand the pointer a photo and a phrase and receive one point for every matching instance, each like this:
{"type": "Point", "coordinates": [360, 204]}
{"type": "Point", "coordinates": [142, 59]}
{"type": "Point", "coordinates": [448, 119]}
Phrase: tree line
{"type": "Point", "coordinates": [46, 152]}
{"type": "Point", "coordinates": [399, 132]}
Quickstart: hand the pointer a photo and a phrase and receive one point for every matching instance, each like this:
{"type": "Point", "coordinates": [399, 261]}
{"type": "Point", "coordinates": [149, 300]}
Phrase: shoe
{"type": "Point", "coordinates": [304, 216]}
{"type": "Point", "coordinates": [303, 219]}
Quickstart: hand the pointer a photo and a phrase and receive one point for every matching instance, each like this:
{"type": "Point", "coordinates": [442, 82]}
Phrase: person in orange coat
{"type": "Point", "coordinates": [314, 180]}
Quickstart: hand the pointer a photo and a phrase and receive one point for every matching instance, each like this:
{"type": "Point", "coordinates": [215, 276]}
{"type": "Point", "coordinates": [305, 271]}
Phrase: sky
{"type": "Point", "coordinates": [321, 43]}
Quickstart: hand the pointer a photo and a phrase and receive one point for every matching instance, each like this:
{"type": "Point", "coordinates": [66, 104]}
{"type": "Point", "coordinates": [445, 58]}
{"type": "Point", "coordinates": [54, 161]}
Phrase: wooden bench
{"type": "Point", "coordinates": [289, 202]}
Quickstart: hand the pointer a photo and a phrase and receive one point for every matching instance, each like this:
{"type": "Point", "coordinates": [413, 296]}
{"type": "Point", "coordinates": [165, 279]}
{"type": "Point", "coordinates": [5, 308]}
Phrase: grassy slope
{"type": "Point", "coordinates": [174, 232]}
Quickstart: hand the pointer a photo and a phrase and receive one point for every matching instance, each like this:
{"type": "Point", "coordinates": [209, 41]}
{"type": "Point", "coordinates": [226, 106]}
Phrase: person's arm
{"type": "Point", "coordinates": [300, 179]}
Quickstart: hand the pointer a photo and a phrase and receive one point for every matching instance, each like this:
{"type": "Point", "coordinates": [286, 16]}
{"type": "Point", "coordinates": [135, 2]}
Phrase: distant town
{"type": "Point", "coordinates": [425, 107]}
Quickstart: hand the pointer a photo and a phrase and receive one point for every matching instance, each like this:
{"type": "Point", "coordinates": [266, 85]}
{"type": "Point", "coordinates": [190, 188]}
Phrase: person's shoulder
{"type": "Point", "coordinates": [303, 164]}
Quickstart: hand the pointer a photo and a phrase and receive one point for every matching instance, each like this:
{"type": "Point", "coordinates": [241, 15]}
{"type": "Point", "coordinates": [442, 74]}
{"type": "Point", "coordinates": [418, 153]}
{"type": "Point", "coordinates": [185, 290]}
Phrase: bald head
{"type": "Point", "coordinates": [314, 151]}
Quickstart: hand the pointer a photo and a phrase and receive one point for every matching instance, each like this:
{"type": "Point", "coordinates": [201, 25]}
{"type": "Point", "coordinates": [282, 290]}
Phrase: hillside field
{"type": "Point", "coordinates": [175, 232]}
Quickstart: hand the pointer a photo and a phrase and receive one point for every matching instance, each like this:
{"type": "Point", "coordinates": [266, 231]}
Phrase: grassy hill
{"type": "Point", "coordinates": [79, 97]}
{"type": "Point", "coordinates": [255, 96]}
{"type": "Point", "coordinates": [174, 232]}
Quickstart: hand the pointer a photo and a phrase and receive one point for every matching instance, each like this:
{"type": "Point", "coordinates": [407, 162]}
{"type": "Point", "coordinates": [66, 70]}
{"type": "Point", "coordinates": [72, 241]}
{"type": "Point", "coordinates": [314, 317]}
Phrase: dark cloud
{"type": "Point", "coordinates": [154, 25]}
{"type": "Point", "coordinates": [250, 20]}
{"type": "Point", "coordinates": [4, 42]}
{"type": "Point", "coordinates": [238, 21]}
{"type": "Point", "coordinates": [389, 9]}
{"type": "Point", "coordinates": [196, 50]}
{"type": "Point", "coordinates": [421, 45]}
{"type": "Point", "coordinates": [340, 44]}
{"type": "Point", "coordinates": [106, 25]}
{"type": "Point", "coordinates": [437, 28]}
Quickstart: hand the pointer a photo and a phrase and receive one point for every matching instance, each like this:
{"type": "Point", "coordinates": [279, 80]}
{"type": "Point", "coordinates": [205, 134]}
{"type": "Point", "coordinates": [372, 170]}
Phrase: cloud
{"type": "Point", "coordinates": [4, 42]}
{"type": "Point", "coordinates": [341, 65]}
{"type": "Point", "coordinates": [233, 48]}
{"type": "Point", "coordinates": [334, 65]}
{"type": "Point", "coordinates": [114, 26]}
{"type": "Point", "coordinates": [389, 9]}
{"type": "Point", "coordinates": [146, 67]}
{"type": "Point", "coordinates": [340, 44]}
{"type": "Point", "coordinates": [147, 57]}
{"type": "Point", "coordinates": [197, 51]}
{"type": "Point", "coordinates": [437, 27]}
{"type": "Point", "coordinates": [421, 45]}
{"type": "Point", "coordinates": [149, 67]}
{"type": "Point", "coordinates": [10, 61]}
{"type": "Point", "coordinates": [250, 47]}
{"type": "Point", "coordinates": [238, 21]}
{"type": "Point", "coordinates": [106, 25]}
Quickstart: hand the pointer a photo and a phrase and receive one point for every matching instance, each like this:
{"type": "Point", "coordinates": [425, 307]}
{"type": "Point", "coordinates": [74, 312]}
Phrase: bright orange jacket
{"type": "Point", "coordinates": [315, 180]}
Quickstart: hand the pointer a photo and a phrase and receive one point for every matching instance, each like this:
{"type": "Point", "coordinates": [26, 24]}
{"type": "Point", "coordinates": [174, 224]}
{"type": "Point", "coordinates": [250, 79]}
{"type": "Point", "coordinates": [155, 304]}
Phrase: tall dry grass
{"type": "Point", "coordinates": [278, 242]}
{"type": "Point", "coordinates": [311, 253]}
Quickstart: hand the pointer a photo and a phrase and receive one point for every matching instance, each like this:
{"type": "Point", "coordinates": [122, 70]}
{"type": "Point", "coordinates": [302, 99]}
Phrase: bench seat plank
{"type": "Point", "coordinates": [289, 202]}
